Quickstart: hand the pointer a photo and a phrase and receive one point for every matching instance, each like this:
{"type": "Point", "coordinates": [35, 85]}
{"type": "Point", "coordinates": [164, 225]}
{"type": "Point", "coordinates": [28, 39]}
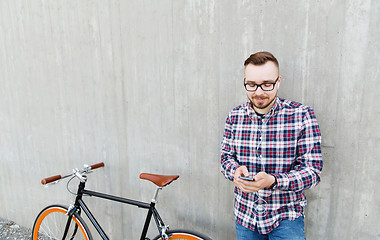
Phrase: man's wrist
{"type": "Point", "coordinates": [274, 185]}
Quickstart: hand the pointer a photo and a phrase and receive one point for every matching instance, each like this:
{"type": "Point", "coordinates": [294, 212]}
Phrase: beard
{"type": "Point", "coordinates": [262, 102]}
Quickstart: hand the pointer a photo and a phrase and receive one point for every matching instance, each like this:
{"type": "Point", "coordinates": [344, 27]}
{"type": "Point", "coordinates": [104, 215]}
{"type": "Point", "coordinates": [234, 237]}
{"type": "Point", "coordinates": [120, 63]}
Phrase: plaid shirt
{"type": "Point", "coordinates": [286, 143]}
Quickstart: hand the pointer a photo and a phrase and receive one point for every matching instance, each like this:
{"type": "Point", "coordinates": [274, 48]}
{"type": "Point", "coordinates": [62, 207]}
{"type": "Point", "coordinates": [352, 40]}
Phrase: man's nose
{"type": "Point", "coordinates": [259, 91]}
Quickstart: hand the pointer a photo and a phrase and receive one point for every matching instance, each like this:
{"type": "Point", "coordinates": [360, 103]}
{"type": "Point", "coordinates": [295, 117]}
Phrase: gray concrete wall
{"type": "Point", "coordinates": [145, 86]}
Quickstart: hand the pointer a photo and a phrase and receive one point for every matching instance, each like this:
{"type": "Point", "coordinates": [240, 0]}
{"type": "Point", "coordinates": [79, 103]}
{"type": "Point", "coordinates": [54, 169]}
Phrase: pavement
{"type": "Point", "coordinates": [9, 230]}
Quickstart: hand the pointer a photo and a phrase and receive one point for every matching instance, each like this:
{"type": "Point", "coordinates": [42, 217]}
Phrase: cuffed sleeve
{"type": "Point", "coordinates": [228, 152]}
{"type": "Point", "coordinates": [308, 163]}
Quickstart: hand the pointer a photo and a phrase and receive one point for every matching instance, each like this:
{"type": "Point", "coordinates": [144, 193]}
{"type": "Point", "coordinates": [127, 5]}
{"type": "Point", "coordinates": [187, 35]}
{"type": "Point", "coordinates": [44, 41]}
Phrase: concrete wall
{"type": "Point", "coordinates": [145, 86]}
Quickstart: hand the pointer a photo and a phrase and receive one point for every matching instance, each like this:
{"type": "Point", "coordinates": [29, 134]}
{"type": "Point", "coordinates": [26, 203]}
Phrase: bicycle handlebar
{"type": "Point", "coordinates": [97, 165]}
{"type": "Point", "coordinates": [50, 179]}
{"type": "Point", "coordinates": [58, 177]}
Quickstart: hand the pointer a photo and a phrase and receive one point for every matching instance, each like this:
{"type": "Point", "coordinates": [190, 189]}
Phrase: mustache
{"type": "Point", "coordinates": [260, 97]}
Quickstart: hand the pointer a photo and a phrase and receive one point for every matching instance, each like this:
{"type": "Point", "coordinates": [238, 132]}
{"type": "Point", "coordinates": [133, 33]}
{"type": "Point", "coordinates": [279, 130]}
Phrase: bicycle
{"type": "Point", "coordinates": [62, 222]}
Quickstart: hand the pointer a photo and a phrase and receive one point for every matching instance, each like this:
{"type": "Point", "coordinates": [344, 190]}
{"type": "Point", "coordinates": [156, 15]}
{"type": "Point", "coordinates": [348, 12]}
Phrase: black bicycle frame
{"type": "Point", "coordinates": [79, 204]}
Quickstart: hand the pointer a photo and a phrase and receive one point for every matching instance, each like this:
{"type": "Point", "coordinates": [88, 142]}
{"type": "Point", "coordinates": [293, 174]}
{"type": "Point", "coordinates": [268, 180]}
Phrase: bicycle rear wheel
{"type": "Point", "coordinates": [184, 235]}
{"type": "Point", "coordinates": [51, 223]}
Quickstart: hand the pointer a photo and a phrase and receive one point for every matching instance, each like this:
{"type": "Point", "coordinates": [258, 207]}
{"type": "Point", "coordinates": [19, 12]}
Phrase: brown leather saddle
{"type": "Point", "coordinates": [159, 180]}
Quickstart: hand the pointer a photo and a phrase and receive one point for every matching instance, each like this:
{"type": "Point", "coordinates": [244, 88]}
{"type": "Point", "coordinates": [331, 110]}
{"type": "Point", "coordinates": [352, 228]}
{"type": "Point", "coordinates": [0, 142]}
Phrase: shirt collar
{"type": "Point", "coordinates": [251, 112]}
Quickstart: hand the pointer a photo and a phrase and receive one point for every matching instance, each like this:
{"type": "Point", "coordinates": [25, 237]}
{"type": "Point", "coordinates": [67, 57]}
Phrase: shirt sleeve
{"type": "Point", "coordinates": [228, 152]}
{"type": "Point", "coordinates": [308, 163]}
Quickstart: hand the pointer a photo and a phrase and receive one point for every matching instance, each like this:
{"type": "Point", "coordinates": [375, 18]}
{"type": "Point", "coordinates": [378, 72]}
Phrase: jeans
{"type": "Point", "coordinates": [289, 230]}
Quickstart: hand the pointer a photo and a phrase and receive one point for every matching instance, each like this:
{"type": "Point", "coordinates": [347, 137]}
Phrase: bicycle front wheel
{"type": "Point", "coordinates": [51, 223]}
{"type": "Point", "coordinates": [184, 235]}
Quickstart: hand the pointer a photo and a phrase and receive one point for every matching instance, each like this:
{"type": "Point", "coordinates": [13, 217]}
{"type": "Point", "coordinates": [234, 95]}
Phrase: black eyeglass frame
{"type": "Point", "coordinates": [259, 85]}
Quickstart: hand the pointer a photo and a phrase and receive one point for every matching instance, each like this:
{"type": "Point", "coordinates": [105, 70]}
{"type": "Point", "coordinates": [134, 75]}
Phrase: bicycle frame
{"type": "Point", "coordinates": [80, 205]}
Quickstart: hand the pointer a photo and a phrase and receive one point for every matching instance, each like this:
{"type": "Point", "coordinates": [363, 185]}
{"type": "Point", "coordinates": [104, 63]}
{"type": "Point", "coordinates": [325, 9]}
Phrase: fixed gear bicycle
{"type": "Point", "coordinates": [62, 222]}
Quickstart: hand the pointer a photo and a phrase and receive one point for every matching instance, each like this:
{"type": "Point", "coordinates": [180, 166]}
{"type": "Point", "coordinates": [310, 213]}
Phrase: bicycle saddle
{"type": "Point", "coordinates": [159, 180]}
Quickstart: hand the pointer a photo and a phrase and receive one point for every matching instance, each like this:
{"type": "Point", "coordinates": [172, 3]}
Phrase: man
{"type": "Point", "coordinates": [278, 143]}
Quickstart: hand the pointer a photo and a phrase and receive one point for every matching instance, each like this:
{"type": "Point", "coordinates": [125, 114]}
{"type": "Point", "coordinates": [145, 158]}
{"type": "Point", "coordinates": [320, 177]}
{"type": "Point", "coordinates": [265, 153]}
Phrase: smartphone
{"type": "Point", "coordinates": [247, 178]}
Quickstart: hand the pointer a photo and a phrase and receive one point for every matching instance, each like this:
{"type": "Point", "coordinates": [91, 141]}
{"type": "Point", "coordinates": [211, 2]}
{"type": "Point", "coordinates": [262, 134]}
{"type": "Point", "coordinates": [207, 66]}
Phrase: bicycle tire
{"type": "Point", "coordinates": [51, 222]}
{"type": "Point", "coordinates": [182, 234]}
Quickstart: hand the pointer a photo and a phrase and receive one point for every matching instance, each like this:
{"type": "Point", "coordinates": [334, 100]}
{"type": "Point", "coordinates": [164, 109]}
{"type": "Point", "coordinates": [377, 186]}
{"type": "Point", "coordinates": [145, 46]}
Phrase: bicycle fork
{"type": "Point", "coordinates": [72, 209]}
{"type": "Point", "coordinates": [70, 214]}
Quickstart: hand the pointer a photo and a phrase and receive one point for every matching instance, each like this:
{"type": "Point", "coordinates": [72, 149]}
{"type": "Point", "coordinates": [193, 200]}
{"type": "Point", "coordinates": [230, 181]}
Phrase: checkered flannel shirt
{"type": "Point", "coordinates": [286, 143]}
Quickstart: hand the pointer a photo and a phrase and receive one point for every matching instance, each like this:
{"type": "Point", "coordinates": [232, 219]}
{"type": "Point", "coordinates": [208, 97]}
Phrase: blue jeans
{"type": "Point", "coordinates": [289, 230]}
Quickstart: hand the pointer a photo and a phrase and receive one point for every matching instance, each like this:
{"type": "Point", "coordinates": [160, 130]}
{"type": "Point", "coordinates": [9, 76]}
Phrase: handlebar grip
{"type": "Point", "coordinates": [50, 179]}
{"type": "Point", "coordinates": [97, 165]}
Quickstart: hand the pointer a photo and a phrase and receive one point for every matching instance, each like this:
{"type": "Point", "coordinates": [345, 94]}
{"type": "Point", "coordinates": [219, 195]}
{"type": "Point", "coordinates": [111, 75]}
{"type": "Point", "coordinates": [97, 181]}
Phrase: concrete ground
{"type": "Point", "coordinates": [12, 231]}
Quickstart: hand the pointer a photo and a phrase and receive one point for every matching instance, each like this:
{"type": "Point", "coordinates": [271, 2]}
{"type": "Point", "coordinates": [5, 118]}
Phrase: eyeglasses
{"type": "Point", "coordinates": [251, 87]}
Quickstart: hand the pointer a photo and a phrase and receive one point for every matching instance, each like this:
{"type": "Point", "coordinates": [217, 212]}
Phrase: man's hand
{"type": "Point", "coordinates": [262, 180]}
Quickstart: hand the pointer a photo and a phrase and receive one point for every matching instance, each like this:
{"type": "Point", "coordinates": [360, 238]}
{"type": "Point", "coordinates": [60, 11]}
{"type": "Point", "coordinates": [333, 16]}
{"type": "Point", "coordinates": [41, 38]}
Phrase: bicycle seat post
{"type": "Point", "coordinates": [154, 200]}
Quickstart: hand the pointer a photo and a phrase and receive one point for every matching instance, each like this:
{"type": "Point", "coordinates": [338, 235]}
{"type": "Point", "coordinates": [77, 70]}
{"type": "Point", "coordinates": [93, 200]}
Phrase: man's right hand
{"type": "Point", "coordinates": [241, 171]}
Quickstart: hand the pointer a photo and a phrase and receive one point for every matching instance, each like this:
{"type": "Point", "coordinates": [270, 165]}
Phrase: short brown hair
{"type": "Point", "coordinates": [261, 58]}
